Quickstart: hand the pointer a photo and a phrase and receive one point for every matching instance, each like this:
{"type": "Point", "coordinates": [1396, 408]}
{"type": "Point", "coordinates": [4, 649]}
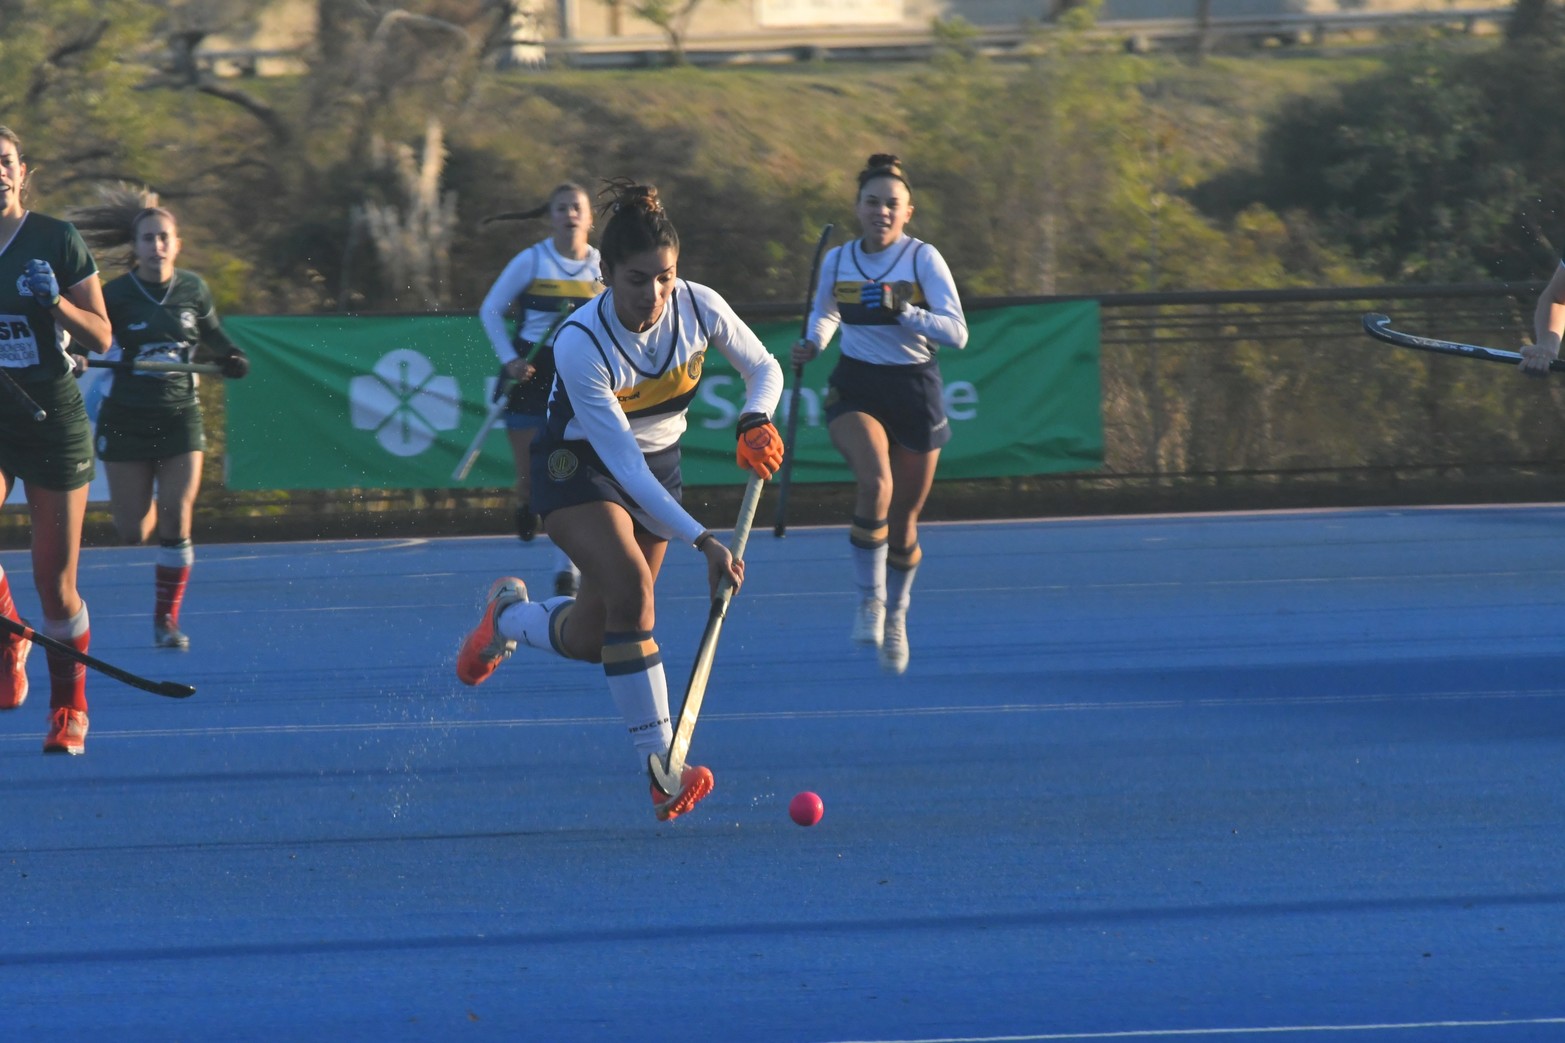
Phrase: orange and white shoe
{"type": "Point", "coordinates": [13, 671]}
{"type": "Point", "coordinates": [485, 648]}
{"type": "Point", "coordinates": [67, 731]}
{"type": "Point", "coordinates": [695, 782]}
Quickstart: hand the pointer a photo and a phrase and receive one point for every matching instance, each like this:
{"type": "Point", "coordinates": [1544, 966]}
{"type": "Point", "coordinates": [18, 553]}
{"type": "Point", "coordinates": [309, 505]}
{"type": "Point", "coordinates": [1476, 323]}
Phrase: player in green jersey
{"type": "Point", "coordinates": [150, 434]}
{"type": "Point", "coordinates": [50, 299]}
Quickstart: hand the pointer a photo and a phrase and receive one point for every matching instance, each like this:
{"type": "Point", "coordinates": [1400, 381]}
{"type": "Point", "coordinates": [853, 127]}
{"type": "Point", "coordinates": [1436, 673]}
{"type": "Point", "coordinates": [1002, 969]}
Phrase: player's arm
{"type": "Point", "coordinates": [236, 364]}
{"type": "Point", "coordinates": [78, 310]}
{"type": "Point", "coordinates": [1548, 325]}
{"type": "Point", "coordinates": [942, 319]}
{"type": "Point", "coordinates": [606, 427]}
{"type": "Point", "coordinates": [491, 313]}
{"type": "Point", "coordinates": [824, 317]}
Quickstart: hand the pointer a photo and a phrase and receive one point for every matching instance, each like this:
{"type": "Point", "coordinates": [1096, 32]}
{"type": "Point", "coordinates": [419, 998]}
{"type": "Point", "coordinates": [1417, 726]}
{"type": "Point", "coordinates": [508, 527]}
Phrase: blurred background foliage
{"type": "Point", "coordinates": [1075, 169]}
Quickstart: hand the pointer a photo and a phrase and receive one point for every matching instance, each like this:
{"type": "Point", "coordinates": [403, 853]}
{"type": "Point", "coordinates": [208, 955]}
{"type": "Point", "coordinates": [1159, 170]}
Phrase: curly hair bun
{"type": "Point", "coordinates": [884, 161]}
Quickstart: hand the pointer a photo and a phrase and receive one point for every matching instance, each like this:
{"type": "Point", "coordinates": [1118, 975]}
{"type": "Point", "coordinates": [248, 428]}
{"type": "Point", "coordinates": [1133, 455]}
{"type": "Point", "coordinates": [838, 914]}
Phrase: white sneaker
{"type": "Point", "coordinates": [893, 647]}
{"type": "Point", "coordinates": [870, 623]}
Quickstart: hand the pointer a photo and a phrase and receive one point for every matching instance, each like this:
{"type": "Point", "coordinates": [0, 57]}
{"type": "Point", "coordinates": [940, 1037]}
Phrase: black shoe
{"type": "Point", "coordinates": [526, 523]}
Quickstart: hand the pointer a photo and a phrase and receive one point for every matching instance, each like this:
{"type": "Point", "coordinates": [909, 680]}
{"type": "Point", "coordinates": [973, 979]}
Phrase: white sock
{"type": "Point", "coordinates": [901, 567]}
{"type": "Point", "coordinates": [535, 623]}
{"type": "Point", "coordinates": [634, 669]}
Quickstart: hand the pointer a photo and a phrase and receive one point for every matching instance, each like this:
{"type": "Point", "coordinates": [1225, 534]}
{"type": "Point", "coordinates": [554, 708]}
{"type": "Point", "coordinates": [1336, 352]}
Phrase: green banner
{"type": "Point", "coordinates": [393, 402]}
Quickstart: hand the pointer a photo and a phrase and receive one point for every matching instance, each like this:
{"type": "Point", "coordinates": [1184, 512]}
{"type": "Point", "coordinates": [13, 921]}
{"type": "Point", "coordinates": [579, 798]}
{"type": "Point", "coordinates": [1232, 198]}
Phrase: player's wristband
{"type": "Point", "coordinates": [706, 534]}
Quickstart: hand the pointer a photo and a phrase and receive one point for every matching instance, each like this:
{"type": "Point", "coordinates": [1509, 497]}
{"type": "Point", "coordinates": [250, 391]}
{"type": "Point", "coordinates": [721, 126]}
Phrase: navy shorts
{"type": "Point", "coordinates": [908, 401]}
{"type": "Point", "coordinates": [568, 473]}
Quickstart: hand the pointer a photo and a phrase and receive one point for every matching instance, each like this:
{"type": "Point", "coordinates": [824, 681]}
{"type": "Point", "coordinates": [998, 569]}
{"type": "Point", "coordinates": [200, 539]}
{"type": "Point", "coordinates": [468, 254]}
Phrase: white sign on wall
{"type": "Point", "coordinates": [774, 13]}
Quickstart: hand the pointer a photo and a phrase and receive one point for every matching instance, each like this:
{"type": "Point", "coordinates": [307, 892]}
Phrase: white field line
{"type": "Point", "coordinates": [997, 709]}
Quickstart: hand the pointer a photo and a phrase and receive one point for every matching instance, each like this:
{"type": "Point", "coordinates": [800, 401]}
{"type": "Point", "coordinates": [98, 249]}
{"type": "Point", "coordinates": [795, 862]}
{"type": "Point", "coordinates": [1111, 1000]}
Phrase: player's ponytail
{"type": "Point", "coordinates": [541, 210]}
{"type": "Point", "coordinates": [109, 225]}
{"type": "Point", "coordinates": [637, 222]}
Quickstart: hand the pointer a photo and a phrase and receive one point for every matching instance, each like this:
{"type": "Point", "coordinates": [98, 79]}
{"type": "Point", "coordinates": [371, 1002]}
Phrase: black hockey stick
{"type": "Point", "coordinates": [784, 478]}
{"type": "Point", "coordinates": [22, 397]}
{"type": "Point", "coordinates": [667, 768]}
{"type": "Point", "coordinates": [168, 688]}
{"type": "Point", "coordinates": [1379, 327]}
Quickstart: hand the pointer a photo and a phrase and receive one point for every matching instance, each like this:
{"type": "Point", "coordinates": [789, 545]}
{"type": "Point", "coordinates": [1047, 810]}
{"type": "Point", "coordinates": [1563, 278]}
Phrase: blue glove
{"type": "Point", "coordinates": [41, 282]}
{"type": "Point", "coordinates": [887, 295]}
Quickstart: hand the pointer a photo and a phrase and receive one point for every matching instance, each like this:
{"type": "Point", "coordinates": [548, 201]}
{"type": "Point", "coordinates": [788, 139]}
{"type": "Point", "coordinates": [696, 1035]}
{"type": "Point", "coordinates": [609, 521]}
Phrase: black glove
{"type": "Point", "coordinates": [236, 365]}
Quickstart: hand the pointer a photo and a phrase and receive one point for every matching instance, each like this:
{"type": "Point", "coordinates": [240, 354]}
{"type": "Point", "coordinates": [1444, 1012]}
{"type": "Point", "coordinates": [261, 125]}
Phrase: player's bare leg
{"type": "Point", "coordinates": [863, 444]}
{"type": "Point", "coordinates": [913, 475]}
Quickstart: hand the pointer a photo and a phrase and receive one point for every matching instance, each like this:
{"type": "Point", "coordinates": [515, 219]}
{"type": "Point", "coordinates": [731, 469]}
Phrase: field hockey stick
{"type": "Point", "coordinates": [167, 688]}
{"type": "Point", "coordinates": [1379, 327]}
{"type": "Point", "coordinates": [206, 369]}
{"type": "Point", "coordinates": [780, 529]}
{"type": "Point", "coordinates": [23, 398]}
{"type": "Point", "coordinates": [667, 768]}
{"type": "Point", "coordinates": [476, 446]}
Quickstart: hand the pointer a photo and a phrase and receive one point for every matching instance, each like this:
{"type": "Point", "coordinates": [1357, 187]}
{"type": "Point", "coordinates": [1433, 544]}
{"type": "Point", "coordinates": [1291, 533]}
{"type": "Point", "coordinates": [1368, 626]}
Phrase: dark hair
{"type": "Point", "coordinates": [541, 209]}
{"type": "Point", "coordinates": [109, 225]}
{"type": "Point", "coordinates": [638, 222]}
{"type": "Point", "coordinates": [883, 164]}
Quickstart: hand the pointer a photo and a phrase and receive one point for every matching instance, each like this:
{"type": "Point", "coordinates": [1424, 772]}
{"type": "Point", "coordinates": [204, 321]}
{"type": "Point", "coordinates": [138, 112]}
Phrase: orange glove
{"type": "Point", "coordinates": [760, 446]}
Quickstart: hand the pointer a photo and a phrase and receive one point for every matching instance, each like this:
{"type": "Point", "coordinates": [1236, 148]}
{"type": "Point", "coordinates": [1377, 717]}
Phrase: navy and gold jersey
{"type": "Point", "coordinates": [164, 322]}
{"type": "Point", "coordinates": [876, 335]}
{"type": "Point", "coordinates": [32, 347]}
{"type": "Point", "coordinates": [627, 393]}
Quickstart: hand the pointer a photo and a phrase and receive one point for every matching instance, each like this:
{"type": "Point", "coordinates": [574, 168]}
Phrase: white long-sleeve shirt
{"type": "Point", "coordinates": [933, 319]}
{"type": "Point", "coordinates": [627, 393]}
{"type": "Point", "coordinates": [540, 281]}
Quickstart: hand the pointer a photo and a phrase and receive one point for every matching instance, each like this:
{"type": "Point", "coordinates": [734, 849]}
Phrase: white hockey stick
{"type": "Point", "coordinates": [667, 768]}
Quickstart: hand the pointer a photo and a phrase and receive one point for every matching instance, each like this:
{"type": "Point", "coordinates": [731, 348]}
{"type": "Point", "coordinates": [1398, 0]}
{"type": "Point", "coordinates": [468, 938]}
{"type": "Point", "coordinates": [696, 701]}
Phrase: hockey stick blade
{"type": "Point", "coordinates": [169, 689]}
{"type": "Point", "coordinates": [1379, 327]}
{"type": "Point", "coordinates": [785, 477]}
{"type": "Point", "coordinates": [667, 768]}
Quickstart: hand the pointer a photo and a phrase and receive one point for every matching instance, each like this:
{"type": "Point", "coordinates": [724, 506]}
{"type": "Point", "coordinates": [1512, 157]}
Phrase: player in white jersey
{"type": "Point", "coordinates": [544, 283]}
{"type": "Point", "coordinates": [896, 303]}
{"type": "Point", "coordinates": [608, 473]}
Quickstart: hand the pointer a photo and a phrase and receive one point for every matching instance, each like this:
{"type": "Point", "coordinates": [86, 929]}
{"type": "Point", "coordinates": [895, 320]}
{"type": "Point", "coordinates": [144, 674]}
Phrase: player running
{"type": "Point", "coordinates": [545, 282]}
{"type": "Point", "coordinates": [628, 365]}
{"type": "Point", "coordinates": [150, 430]}
{"type": "Point", "coordinates": [896, 302]}
{"type": "Point", "coordinates": [49, 298]}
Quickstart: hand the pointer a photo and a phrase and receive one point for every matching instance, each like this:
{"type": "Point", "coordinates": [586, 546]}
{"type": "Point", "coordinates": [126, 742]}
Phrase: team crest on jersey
{"type": "Point", "coordinates": [562, 465]}
{"type": "Point", "coordinates": [187, 320]}
{"type": "Point", "coordinates": [693, 367]}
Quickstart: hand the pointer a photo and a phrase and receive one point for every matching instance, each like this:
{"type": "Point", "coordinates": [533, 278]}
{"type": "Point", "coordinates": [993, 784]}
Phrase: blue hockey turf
{"type": "Point", "coordinates": [1220, 777]}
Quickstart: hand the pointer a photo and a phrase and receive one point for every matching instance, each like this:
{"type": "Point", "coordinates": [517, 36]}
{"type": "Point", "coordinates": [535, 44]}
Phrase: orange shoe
{"type": "Point", "coordinates": [485, 647]}
{"type": "Point", "coordinates": [13, 671]}
{"type": "Point", "coordinates": [695, 782]}
{"type": "Point", "coordinates": [67, 731]}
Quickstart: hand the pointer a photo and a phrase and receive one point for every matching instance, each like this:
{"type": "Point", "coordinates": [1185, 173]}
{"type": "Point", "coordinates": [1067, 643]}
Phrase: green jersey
{"type": "Point", "coordinates": [32, 347]}
{"type": "Point", "coordinates": [161, 322]}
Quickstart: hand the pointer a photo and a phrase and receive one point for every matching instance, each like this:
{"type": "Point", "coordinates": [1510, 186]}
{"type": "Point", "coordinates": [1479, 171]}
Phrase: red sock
{"type": "Point", "coordinates": [67, 677]}
{"type": "Point", "coordinates": [171, 581]}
